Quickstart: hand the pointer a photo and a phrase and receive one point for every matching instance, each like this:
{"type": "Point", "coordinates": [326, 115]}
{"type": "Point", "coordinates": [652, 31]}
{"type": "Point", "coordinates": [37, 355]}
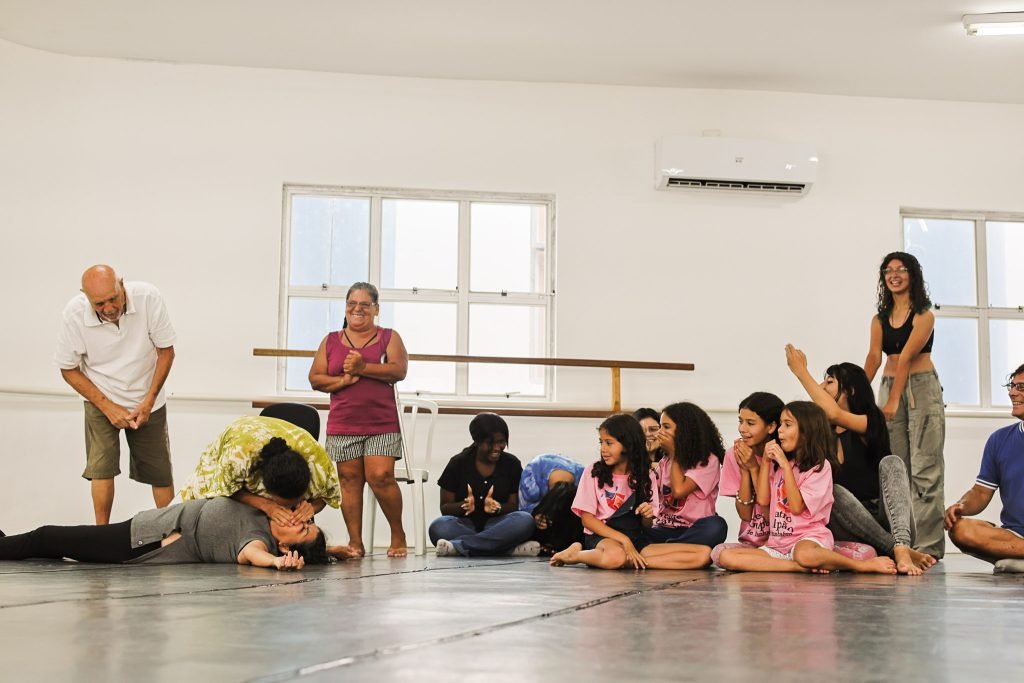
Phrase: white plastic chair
{"type": "Point", "coordinates": [410, 426]}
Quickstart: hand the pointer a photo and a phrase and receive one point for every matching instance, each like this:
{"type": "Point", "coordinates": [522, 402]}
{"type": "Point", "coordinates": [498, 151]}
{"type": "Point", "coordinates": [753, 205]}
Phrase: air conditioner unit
{"type": "Point", "coordinates": [714, 163]}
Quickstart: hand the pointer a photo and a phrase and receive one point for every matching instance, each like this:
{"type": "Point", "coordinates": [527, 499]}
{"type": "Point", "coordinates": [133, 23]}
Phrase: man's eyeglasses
{"type": "Point", "coordinates": [361, 305]}
{"type": "Point", "coordinates": [1010, 386]}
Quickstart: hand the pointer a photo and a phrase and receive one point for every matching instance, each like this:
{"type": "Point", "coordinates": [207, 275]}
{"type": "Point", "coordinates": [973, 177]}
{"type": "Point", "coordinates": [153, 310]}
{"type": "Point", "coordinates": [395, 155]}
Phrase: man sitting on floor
{"type": "Point", "coordinates": [1002, 467]}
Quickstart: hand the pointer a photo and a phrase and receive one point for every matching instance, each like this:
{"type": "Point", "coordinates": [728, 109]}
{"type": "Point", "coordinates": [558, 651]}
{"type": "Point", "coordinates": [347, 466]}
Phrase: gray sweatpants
{"type": "Point", "coordinates": [917, 434]}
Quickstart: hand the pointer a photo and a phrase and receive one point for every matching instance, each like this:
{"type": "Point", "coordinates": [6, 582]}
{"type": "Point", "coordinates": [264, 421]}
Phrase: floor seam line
{"type": "Point", "coordinates": [464, 635]}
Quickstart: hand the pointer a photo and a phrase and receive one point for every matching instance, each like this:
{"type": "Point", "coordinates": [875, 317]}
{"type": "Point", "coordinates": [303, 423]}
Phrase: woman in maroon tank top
{"type": "Point", "coordinates": [358, 366]}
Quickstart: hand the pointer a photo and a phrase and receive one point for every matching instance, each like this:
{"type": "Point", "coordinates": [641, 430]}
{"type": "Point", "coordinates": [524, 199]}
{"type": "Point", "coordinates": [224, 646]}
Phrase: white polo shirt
{"type": "Point", "coordinates": [119, 359]}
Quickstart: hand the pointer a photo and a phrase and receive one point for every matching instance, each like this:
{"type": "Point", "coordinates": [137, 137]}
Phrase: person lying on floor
{"type": "Point", "coordinates": [207, 530]}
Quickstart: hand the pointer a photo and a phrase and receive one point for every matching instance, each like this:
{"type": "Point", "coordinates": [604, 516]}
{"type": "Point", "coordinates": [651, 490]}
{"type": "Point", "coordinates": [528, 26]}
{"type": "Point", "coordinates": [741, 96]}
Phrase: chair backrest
{"type": "Point", "coordinates": [299, 414]}
{"type": "Point", "coordinates": [423, 415]}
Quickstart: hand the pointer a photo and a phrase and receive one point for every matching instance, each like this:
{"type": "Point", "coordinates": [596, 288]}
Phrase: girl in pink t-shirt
{"type": "Point", "coordinates": [614, 502]}
{"type": "Point", "coordinates": [795, 483]}
{"type": "Point", "coordinates": [758, 425]}
{"type": "Point", "coordinates": [688, 478]}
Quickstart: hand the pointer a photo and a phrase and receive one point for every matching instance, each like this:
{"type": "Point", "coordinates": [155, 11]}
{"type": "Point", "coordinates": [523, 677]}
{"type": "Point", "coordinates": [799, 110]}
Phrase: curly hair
{"type": "Point", "coordinates": [285, 472]}
{"type": "Point", "coordinates": [816, 443]}
{"type": "Point", "coordinates": [697, 438]}
{"type": "Point", "coordinates": [627, 431]}
{"type": "Point", "coordinates": [919, 300]}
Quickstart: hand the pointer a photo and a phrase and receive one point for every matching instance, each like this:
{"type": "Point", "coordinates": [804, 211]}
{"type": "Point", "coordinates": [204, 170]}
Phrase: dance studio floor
{"type": "Point", "coordinates": [513, 619]}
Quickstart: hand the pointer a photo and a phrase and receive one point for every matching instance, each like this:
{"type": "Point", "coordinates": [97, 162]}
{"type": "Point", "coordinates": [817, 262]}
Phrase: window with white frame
{"type": "Point", "coordinates": [458, 273]}
{"type": "Point", "coordinates": [971, 263]}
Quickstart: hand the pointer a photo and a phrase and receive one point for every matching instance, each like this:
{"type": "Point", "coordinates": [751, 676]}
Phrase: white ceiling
{"type": "Point", "coordinates": [891, 48]}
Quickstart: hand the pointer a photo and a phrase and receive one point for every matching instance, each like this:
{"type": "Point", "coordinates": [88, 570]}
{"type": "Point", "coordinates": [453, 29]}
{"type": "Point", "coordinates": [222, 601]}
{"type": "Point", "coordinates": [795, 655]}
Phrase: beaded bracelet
{"type": "Point", "coordinates": [746, 502]}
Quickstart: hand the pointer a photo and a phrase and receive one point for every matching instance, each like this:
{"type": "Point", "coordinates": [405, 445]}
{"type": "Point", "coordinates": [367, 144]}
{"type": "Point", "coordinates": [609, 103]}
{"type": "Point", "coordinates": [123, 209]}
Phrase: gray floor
{"type": "Point", "coordinates": [441, 619]}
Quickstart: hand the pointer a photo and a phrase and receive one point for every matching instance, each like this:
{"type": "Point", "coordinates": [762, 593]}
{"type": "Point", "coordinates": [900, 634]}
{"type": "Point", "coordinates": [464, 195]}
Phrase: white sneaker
{"type": "Point", "coordinates": [445, 548]}
{"type": "Point", "coordinates": [527, 549]}
{"type": "Point", "coordinates": [1009, 566]}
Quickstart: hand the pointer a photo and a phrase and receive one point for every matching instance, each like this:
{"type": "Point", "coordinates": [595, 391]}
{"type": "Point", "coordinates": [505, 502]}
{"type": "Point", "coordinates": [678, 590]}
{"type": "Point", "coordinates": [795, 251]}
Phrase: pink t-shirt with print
{"type": "Point", "coordinates": [787, 528]}
{"type": "Point", "coordinates": [754, 532]}
{"type": "Point", "coordinates": [676, 514]}
{"type": "Point", "coordinates": [602, 502]}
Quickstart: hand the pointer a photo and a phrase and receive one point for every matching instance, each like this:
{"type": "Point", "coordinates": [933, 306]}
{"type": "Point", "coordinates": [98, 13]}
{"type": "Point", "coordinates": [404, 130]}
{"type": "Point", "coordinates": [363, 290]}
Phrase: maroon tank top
{"type": "Point", "coordinates": [368, 406]}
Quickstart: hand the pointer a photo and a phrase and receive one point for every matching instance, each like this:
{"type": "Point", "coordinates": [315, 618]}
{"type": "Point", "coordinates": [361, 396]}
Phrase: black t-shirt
{"type": "Point", "coordinates": [858, 473]}
{"type": "Point", "coordinates": [461, 470]}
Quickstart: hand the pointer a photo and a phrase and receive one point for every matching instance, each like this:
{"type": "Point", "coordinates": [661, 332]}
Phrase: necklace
{"type": "Point", "coordinates": [352, 344]}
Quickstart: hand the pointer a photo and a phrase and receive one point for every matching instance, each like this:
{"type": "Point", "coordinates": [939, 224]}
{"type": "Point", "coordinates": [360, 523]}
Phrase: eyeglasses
{"type": "Point", "coordinates": [902, 270]}
{"type": "Point", "coordinates": [1011, 386]}
{"type": "Point", "coordinates": [361, 305]}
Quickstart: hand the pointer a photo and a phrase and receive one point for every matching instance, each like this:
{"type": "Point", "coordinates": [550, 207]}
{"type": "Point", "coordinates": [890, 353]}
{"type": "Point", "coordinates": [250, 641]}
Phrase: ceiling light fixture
{"type": "Point", "coordinates": [999, 24]}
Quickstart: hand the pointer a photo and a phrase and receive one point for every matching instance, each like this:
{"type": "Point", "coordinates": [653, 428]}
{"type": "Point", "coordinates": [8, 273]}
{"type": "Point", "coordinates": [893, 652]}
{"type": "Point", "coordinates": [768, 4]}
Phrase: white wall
{"type": "Point", "coordinates": [173, 174]}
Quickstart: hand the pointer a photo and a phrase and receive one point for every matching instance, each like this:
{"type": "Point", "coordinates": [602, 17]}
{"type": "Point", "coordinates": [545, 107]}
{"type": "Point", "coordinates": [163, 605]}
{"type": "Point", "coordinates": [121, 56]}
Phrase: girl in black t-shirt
{"type": "Point", "coordinates": [871, 486]}
{"type": "Point", "coordinates": [480, 497]}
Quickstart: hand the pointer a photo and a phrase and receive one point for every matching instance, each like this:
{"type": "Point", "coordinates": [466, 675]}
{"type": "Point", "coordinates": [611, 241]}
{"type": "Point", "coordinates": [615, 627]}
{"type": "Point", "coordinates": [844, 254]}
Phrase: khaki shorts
{"type": "Point", "coordinates": [149, 448]}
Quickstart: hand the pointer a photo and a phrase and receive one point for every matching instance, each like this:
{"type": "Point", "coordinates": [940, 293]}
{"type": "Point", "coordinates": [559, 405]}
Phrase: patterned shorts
{"type": "Point", "coordinates": [342, 447]}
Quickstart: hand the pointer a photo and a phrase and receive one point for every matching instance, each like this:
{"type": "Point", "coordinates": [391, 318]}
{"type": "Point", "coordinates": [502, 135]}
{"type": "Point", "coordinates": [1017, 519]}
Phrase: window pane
{"type": "Point", "coordinates": [955, 356]}
{"type": "Point", "coordinates": [507, 247]}
{"type": "Point", "coordinates": [497, 330]}
{"type": "Point", "coordinates": [420, 244]}
{"type": "Point", "coordinates": [308, 321]}
{"type": "Point", "coordinates": [330, 240]}
{"type": "Point", "coordinates": [425, 328]}
{"type": "Point", "coordinates": [946, 251]}
{"type": "Point", "coordinates": [1007, 340]}
{"type": "Point", "coordinates": [1005, 274]}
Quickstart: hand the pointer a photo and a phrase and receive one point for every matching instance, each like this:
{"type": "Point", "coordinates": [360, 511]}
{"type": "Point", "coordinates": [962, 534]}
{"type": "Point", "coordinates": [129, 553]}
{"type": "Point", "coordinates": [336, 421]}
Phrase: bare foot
{"type": "Point", "coordinates": [398, 546]}
{"type": "Point", "coordinates": [343, 552]}
{"type": "Point", "coordinates": [905, 562]}
{"type": "Point", "coordinates": [877, 565]}
{"type": "Point", "coordinates": [924, 561]}
{"type": "Point", "coordinates": [568, 556]}
{"type": "Point", "coordinates": [358, 549]}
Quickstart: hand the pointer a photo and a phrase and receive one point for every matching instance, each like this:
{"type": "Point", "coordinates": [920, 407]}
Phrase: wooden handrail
{"type": "Point", "coordinates": [506, 360]}
{"type": "Point", "coordinates": [616, 367]}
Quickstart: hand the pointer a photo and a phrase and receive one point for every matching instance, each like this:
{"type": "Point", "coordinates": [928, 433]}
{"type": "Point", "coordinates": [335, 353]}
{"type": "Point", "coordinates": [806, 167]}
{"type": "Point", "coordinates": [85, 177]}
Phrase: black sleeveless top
{"type": "Point", "coordinates": [858, 473]}
{"type": "Point", "coordinates": [895, 338]}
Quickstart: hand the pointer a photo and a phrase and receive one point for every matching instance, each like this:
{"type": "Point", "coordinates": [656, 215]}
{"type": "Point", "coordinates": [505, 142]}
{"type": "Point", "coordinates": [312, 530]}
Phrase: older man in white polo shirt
{"type": "Point", "coordinates": [115, 348]}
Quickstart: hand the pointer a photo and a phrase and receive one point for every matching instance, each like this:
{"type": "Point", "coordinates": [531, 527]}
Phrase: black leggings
{"type": "Point", "coordinates": [107, 543]}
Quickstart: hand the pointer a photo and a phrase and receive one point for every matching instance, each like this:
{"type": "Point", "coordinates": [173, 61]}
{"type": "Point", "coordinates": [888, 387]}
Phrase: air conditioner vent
{"type": "Point", "coordinates": [750, 186]}
{"type": "Point", "coordinates": [713, 163]}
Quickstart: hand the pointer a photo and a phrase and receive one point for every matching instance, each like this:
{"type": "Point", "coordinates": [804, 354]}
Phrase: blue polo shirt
{"type": "Point", "coordinates": [1002, 467]}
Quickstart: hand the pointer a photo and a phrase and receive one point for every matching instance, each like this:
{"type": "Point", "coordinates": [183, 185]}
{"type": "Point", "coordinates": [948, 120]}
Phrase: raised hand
{"type": "Point", "coordinates": [491, 506]}
{"type": "Point", "coordinates": [469, 502]}
{"type": "Point", "coordinates": [744, 454]}
{"type": "Point", "coordinates": [774, 452]}
{"type": "Point", "coordinates": [354, 363]}
{"type": "Point", "coordinates": [795, 358]}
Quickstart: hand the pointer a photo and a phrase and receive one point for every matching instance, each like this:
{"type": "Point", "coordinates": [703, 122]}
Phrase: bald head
{"type": "Point", "coordinates": [104, 291]}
